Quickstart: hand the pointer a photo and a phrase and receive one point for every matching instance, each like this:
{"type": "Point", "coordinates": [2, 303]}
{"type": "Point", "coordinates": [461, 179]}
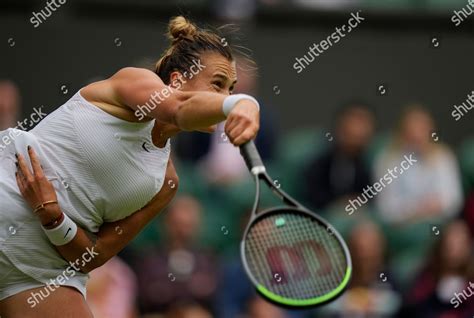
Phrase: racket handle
{"type": "Point", "coordinates": [252, 158]}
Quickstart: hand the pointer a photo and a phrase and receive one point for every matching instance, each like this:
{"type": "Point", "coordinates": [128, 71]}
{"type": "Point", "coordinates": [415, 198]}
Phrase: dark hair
{"type": "Point", "coordinates": [188, 42]}
{"type": "Point", "coordinates": [436, 265]}
{"type": "Point", "coordinates": [351, 105]}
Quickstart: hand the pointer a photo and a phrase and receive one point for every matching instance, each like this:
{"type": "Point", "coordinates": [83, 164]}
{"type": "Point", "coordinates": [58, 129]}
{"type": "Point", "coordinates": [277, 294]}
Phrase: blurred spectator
{"type": "Point", "coordinates": [260, 308]}
{"type": "Point", "coordinates": [192, 146]}
{"type": "Point", "coordinates": [178, 270]}
{"type": "Point", "coordinates": [445, 288]}
{"type": "Point", "coordinates": [224, 164]}
{"type": "Point", "coordinates": [431, 188]}
{"type": "Point", "coordinates": [237, 297]}
{"type": "Point", "coordinates": [235, 289]}
{"type": "Point", "coordinates": [9, 105]}
{"type": "Point", "coordinates": [187, 310]}
{"type": "Point", "coordinates": [235, 9]}
{"type": "Point", "coordinates": [371, 292]}
{"type": "Point", "coordinates": [341, 172]}
{"type": "Point", "coordinates": [112, 290]}
{"type": "Point", "coordinates": [327, 4]}
{"type": "Point", "coordinates": [234, 286]}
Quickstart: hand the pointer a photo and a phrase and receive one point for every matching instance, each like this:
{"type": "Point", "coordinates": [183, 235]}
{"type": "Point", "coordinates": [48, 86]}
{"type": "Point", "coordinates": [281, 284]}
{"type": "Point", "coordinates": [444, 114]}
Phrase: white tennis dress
{"type": "Point", "coordinates": [103, 169]}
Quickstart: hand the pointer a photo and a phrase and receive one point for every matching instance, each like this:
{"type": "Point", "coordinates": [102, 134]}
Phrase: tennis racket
{"type": "Point", "coordinates": [293, 257]}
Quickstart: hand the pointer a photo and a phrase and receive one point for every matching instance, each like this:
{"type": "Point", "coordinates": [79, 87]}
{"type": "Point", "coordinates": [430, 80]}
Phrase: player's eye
{"type": "Point", "coordinates": [218, 84]}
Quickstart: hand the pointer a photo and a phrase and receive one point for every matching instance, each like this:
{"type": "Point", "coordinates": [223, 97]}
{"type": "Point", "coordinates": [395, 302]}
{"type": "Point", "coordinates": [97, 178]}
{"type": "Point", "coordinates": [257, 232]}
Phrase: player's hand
{"type": "Point", "coordinates": [243, 122]}
{"type": "Point", "coordinates": [35, 188]}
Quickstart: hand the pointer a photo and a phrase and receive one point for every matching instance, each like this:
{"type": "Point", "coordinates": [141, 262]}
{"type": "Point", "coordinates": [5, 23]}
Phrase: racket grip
{"type": "Point", "coordinates": [252, 158]}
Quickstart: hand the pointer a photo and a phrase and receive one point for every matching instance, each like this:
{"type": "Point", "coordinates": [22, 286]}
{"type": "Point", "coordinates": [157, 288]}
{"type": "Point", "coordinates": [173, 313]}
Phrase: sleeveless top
{"type": "Point", "coordinates": [103, 169]}
{"type": "Point", "coordinates": [109, 167]}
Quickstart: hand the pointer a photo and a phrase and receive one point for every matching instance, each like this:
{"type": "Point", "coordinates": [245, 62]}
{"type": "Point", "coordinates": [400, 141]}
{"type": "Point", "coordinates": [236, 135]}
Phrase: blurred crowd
{"type": "Point", "coordinates": [411, 241]}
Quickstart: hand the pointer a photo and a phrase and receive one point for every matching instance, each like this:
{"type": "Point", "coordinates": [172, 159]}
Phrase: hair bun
{"type": "Point", "coordinates": [180, 27]}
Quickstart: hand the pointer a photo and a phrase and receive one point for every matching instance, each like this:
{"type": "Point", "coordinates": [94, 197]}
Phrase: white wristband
{"type": "Point", "coordinates": [63, 233]}
{"type": "Point", "coordinates": [232, 100]}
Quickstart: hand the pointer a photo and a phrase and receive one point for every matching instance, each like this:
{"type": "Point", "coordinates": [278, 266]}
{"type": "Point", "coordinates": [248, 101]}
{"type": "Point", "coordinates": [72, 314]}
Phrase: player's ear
{"type": "Point", "coordinates": [175, 78]}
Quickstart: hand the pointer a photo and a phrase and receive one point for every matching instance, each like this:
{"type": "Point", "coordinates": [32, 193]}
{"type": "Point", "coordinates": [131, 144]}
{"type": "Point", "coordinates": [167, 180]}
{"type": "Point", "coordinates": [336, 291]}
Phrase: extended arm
{"type": "Point", "coordinates": [145, 94]}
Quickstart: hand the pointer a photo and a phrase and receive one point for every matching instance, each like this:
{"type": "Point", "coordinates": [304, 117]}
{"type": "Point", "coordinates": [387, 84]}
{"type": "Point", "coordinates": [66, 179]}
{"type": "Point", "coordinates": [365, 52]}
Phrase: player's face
{"type": "Point", "coordinates": [212, 73]}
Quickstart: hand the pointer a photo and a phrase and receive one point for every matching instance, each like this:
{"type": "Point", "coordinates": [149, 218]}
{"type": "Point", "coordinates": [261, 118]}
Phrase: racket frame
{"type": "Point", "coordinates": [258, 170]}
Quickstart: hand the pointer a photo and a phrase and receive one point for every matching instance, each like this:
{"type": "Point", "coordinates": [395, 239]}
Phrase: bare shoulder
{"type": "Point", "coordinates": [125, 82]}
{"type": "Point", "coordinates": [134, 85]}
{"type": "Point", "coordinates": [134, 73]}
{"type": "Point", "coordinates": [123, 92]}
{"type": "Point", "coordinates": [116, 93]}
{"type": "Point", "coordinates": [127, 76]}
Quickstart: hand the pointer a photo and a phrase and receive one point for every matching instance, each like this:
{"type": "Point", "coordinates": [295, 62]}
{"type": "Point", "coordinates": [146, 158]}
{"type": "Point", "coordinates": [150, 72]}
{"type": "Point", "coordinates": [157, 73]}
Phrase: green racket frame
{"type": "Point", "coordinates": [257, 169]}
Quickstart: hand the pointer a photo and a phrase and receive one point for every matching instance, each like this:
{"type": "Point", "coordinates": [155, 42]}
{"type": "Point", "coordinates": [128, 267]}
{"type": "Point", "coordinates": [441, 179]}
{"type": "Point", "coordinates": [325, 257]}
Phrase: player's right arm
{"type": "Point", "coordinates": [148, 97]}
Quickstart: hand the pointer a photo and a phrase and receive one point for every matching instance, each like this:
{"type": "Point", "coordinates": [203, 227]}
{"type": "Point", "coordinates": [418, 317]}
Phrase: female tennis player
{"type": "Point", "coordinates": [78, 187]}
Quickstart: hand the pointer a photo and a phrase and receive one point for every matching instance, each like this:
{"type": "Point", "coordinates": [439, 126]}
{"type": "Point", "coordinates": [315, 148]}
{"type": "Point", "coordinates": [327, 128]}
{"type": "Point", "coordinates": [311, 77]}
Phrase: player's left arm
{"type": "Point", "coordinates": [111, 238]}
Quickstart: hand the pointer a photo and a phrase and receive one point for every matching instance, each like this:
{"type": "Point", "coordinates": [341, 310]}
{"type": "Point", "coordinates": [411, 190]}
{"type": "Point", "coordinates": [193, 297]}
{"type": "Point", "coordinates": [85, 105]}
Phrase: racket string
{"type": "Point", "coordinates": [301, 253]}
